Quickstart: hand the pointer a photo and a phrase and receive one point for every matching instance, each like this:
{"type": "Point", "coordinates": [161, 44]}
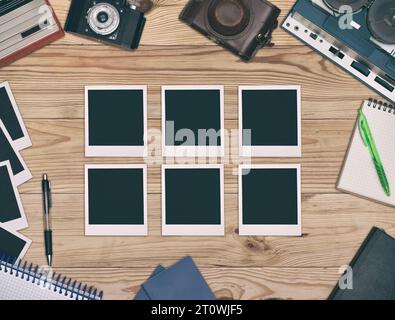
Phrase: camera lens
{"type": "Point", "coordinates": [103, 18]}
{"type": "Point", "coordinates": [228, 17]}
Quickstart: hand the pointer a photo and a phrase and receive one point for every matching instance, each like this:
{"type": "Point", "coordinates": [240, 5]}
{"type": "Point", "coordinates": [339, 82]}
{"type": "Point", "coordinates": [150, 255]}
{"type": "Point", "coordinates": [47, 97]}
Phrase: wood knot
{"type": "Point", "coordinates": [256, 244]}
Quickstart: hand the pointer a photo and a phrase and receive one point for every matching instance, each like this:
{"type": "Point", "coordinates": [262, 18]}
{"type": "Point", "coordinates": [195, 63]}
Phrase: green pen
{"type": "Point", "coordinates": [367, 138]}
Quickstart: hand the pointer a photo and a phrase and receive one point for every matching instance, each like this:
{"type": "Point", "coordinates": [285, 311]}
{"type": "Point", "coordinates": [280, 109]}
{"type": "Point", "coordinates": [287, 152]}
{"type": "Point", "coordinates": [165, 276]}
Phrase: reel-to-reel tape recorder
{"type": "Point", "coordinates": [358, 35]}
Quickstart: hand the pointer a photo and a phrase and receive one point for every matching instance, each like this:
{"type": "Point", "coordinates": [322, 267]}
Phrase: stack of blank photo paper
{"type": "Point", "coordinates": [13, 172]}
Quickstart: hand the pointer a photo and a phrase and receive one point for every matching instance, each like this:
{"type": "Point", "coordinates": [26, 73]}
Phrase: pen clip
{"type": "Point", "coordinates": [49, 194]}
{"type": "Point", "coordinates": [361, 120]}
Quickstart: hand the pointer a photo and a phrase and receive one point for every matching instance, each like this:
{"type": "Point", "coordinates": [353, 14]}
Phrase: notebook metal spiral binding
{"type": "Point", "coordinates": [380, 105]}
{"type": "Point", "coordinates": [53, 282]}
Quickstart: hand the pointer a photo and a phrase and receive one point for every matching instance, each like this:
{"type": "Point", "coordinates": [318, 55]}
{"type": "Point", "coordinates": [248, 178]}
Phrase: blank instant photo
{"type": "Point", "coordinates": [193, 121]}
{"type": "Point", "coordinates": [8, 152]}
{"type": "Point", "coordinates": [13, 245]}
{"type": "Point", "coordinates": [270, 200]}
{"type": "Point", "coordinates": [270, 121]}
{"type": "Point", "coordinates": [12, 119]}
{"type": "Point", "coordinates": [116, 121]}
{"type": "Point", "coordinates": [116, 200]}
{"type": "Point", "coordinates": [192, 200]}
{"type": "Point", "coordinates": [12, 214]}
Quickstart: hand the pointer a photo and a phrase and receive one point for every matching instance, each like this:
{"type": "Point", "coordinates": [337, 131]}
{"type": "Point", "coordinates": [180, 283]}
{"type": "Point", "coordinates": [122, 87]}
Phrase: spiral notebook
{"type": "Point", "coordinates": [359, 175]}
{"type": "Point", "coordinates": [22, 281]}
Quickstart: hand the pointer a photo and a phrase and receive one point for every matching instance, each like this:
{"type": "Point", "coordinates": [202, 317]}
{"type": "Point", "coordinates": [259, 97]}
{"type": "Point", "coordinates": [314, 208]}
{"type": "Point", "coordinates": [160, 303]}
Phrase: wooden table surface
{"type": "Point", "coordinates": [49, 88]}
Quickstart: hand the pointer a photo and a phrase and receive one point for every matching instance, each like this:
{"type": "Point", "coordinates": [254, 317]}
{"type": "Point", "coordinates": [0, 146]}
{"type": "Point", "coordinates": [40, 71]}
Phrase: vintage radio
{"type": "Point", "coordinates": [26, 25]}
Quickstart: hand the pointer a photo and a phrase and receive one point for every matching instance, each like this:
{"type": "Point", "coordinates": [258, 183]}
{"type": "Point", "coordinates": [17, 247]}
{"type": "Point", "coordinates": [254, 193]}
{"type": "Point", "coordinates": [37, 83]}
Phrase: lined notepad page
{"type": "Point", "coordinates": [359, 175]}
{"type": "Point", "coordinates": [16, 288]}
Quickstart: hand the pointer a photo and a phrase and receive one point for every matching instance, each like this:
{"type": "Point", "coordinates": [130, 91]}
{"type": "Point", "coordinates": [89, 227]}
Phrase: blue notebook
{"type": "Point", "coordinates": [182, 281]}
{"type": "Point", "coordinates": [142, 294]}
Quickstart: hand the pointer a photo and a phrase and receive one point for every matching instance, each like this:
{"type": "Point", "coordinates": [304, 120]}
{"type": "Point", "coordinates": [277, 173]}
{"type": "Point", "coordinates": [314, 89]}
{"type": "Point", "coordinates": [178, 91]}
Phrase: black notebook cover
{"type": "Point", "coordinates": [373, 270]}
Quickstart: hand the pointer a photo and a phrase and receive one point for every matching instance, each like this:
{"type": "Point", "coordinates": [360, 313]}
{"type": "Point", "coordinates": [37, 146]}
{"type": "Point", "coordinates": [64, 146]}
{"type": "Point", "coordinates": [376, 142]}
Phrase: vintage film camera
{"type": "Point", "coordinates": [357, 35]}
{"type": "Point", "coordinates": [25, 25]}
{"type": "Point", "coordinates": [116, 22]}
{"type": "Point", "coordinates": [241, 26]}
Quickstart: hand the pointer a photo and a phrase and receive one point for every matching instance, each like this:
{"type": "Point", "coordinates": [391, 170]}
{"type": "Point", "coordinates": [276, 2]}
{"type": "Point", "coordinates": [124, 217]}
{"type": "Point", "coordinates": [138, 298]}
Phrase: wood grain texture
{"type": "Point", "coordinates": [329, 221]}
{"type": "Point", "coordinates": [49, 87]}
{"type": "Point", "coordinates": [59, 148]}
{"type": "Point", "coordinates": [62, 71]}
{"type": "Point", "coordinates": [227, 283]}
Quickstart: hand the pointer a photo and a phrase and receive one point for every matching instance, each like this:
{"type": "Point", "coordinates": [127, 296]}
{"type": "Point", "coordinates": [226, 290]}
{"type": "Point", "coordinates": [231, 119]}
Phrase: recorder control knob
{"type": "Point", "coordinates": [381, 21]}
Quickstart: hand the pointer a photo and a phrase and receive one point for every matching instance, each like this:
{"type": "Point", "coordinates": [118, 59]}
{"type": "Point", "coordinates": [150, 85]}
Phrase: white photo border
{"type": "Point", "coordinates": [24, 175]}
{"type": "Point", "coordinates": [116, 151]}
{"type": "Point", "coordinates": [193, 230]}
{"type": "Point", "coordinates": [193, 151]}
{"type": "Point", "coordinates": [271, 151]}
{"type": "Point", "coordinates": [19, 223]}
{"type": "Point", "coordinates": [270, 229]}
{"type": "Point", "coordinates": [23, 142]}
{"type": "Point", "coordinates": [114, 229]}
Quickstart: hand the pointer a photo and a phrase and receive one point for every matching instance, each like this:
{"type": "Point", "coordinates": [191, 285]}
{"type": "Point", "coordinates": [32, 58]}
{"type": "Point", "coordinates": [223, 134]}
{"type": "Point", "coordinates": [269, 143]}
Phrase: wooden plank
{"type": "Point", "coordinates": [334, 226]}
{"type": "Point", "coordinates": [50, 83]}
{"type": "Point", "coordinates": [226, 283]}
{"type": "Point", "coordinates": [59, 150]}
{"type": "Point", "coordinates": [163, 27]}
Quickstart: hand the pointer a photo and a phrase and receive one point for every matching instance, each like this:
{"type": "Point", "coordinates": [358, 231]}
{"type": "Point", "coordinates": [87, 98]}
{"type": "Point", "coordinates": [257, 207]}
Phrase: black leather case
{"type": "Point", "coordinates": [262, 21]}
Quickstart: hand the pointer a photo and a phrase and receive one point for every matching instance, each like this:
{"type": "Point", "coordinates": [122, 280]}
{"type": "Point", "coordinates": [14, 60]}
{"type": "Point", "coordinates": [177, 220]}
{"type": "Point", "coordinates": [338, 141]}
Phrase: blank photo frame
{"type": "Point", "coordinates": [8, 152]}
{"type": "Point", "coordinates": [116, 121]}
{"type": "Point", "coordinates": [190, 115]}
{"type": "Point", "coordinates": [273, 114]}
{"type": "Point", "coordinates": [12, 119]}
{"type": "Point", "coordinates": [193, 200]}
{"type": "Point", "coordinates": [270, 200]}
{"type": "Point", "coordinates": [116, 200]}
{"type": "Point", "coordinates": [13, 245]}
{"type": "Point", "coordinates": [12, 214]}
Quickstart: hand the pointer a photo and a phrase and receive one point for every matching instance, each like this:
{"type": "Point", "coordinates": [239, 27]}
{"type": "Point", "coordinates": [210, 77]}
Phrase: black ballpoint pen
{"type": "Point", "coordinates": [46, 188]}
